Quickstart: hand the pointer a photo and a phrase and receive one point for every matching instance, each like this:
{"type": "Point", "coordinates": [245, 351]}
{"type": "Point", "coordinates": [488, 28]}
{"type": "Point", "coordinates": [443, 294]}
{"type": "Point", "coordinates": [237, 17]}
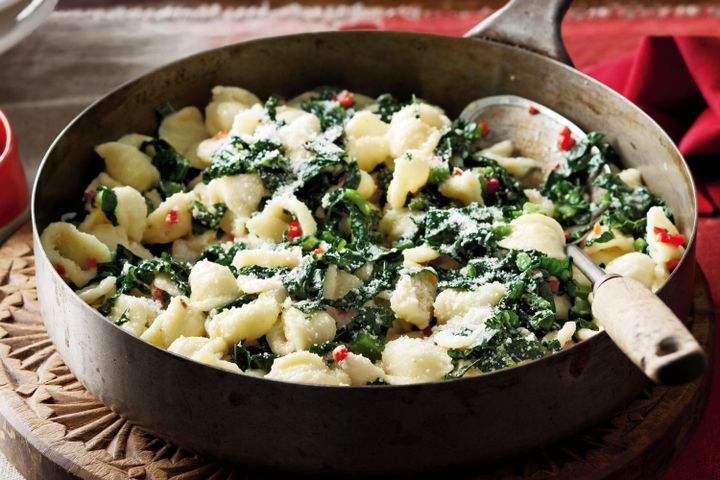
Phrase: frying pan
{"type": "Point", "coordinates": [361, 430]}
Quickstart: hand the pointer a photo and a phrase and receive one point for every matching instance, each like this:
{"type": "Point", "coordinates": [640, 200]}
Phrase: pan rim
{"type": "Point", "coordinates": [493, 375]}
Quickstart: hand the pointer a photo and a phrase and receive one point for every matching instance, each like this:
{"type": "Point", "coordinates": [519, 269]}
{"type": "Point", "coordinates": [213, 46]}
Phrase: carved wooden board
{"type": "Point", "coordinates": [52, 427]}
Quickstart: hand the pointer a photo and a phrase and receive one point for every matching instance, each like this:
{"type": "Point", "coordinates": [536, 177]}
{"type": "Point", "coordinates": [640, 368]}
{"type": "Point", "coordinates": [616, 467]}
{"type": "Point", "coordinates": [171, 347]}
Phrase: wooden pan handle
{"type": "Point", "coordinates": [647, 331]}
{"type": "Point", "coordinates": [531, 24]}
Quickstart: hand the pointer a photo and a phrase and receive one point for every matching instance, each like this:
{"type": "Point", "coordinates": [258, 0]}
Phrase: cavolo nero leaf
{"type": "Point", "coordinates": [203, 219]}
{"type": "Point", "coordinates": [108, 202]}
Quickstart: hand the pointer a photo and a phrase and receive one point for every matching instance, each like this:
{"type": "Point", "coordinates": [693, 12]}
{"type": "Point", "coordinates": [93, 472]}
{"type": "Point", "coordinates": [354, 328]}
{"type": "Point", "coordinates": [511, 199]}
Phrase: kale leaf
{"type": "Point", "coordinates": [108, 202]}
{"type": "Point", "coordinates": [264, 157]}
{"type": "Point", "coordinates": [204, 219]}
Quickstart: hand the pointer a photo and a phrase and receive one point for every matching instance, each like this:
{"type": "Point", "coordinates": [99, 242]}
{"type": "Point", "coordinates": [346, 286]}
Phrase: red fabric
{"type": "Point", "coordinates": [676, 80]}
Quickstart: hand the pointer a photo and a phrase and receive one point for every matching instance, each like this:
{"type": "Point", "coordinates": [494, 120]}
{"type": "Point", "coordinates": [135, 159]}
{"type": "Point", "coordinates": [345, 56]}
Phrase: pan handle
{"type": "Point", "coordinates": [530, 24]}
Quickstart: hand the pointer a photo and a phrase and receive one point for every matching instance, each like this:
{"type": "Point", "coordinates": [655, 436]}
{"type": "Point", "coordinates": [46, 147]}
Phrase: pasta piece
{"type": "Point", "coordinates": [131, 212]}
{"type": "Point", "coordinates": [128, 165]}
{"type": "Point", "coordinates": [464, 188]}
{"type": "Point", "coordinates": [453, 303]}
{"type": "Point", "coordinates": [306, 367]}
{"type": "Point", "coordinates": [337, 283]}
{"type": "Point", "coordinates": [171, 220]}
{"type": "Point", "coordinates": [134, 314]}
{"type": "Point", "coordinates": [360, 369]}
{"type": "Point", "coordinates": [535, 197]}
{"type": "Point", "coordinates": [212, 285]}
{"type": "Point", "coordinates": [300, 127]}
{"type": "Point", "coordinates": [73, 253]}
{"type": "Point", "coordinates": [268, 258]}
{"type": "Point", "coordinates": [504, 148]}
{"type": "Point", "coordinates": [563, 336]}
{"type": "Point", "coordinates": [463, 331]}
{"type": "Point", "coordinates": [102, 179]}
{"type": "Point", "coordinates": [410, 175]}
{"type": "Point", "coordinates": [398, 223]}
{"type": "Point", "coordinates": [605, 252]}
{"type": "Point", "coordinates": [183, 130]}
{"type": "Point", "coordinates": [516, 166]}
{"type": "Point", "coordinates": [412, 360]}
{"type": "Point", "coordinates": [180, 319]}
{"type": "Point", "coordinates": [562, 306]}
{"type": "Point", "coordinates": [299, 331]}
{"type": "Point", "coordinates": [272, 222]}
{"type": "Point", "coordinates": [536, 232]}
{"type": "Point", "coordinates": [412, 299]}
{"type": "Point", "coordinates": [408, 132]}
{"type": "Point", "coordinates": [660, 251]}
{"type": "Point", "coordinates": [248, 322]}
{"type": "Point", "coordinates": [367, 186]}
{"type": "Point", "coordinates": [420, 254]}
{"type": "Point", "coordinates": [637, 266]}
{"type": "Point", "coordinates": [584, 333]}
{"type": "Point", "coordinates": [189, 248]}
{"type": "Point", "coordinates": [204, 350]}
{"type": "Point", "coordinates": [226, 103]}
{"type": "Point", "coordinates": [134, 140]}
{"type": "Point", "coordinates": [241, 194]}
{"type": "Point", "coordinates": [365, 140]}
{"type": "Point", "coordinates": [631, 176]}
{"type": "Point", "coordinates": [97, 293]}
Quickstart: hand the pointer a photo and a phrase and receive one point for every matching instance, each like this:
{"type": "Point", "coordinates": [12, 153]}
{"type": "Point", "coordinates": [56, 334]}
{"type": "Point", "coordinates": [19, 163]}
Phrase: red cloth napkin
{"type": "Point", "coordinates": [677, 81]}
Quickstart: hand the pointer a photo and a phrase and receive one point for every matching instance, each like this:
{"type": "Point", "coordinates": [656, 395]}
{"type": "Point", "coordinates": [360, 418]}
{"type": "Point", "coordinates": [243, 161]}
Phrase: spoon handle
{"type": "Point", "coordinates": [647, 331]}
{"type": "Point", "coordinates": [530, 24]}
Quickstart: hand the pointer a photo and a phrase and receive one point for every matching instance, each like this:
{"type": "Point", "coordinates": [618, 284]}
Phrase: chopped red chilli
{"type": "Point", "coordinates": [294, 230]}
{"type": "Point", "coordinates": [427, 331]}
{"type": "Point", "coordinates": [532, 110]}
{"type": "Point", "coordinates": [60, 269]}
{"type": "Point", "coordinates": [457, 172]}
{"type": "Point", "coordinates": [565, 140]}
{"type": "Point", "coordinates": [484, 128]}
{"type": "Point", "coordinates": [344, 98]}
{"type": "Point", "coordinates": [91, 263]}
{"type": "Point", "coordinates": [89, 195]}
{"type": "Point", "coordinates": [172, 217]}
{"type": "Point", "coordinates": [340, 353]}
{"type": "Point", "coordinates": [492, 185]}
{"type": "Point", "coordinates": [156, 292]}
{"type": "Point", "coordinates": [663, 236]}
{"type": "Point", "coordinates": [554, 284]}
{"type": "Point", "coordinates": [318, 251]}
{"type": "Point", "coordinates": [221, 134]}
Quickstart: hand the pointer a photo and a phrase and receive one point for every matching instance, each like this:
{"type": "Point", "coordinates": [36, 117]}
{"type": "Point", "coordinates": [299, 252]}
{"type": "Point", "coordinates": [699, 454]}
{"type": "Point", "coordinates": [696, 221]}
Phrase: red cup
{"type": "Point", "coordinates": [13, 186]}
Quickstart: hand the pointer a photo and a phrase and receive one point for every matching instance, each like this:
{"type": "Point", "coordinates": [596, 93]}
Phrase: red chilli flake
{"type": "Point", "coordinates": [427, 331]}
{"type": "Point", "coordinates": [318, 251]}
{"type": "Point", "coordinates": [457, 172]}
{"type": "Point", "coordinates": [172, 217]}
{"type": "Point", "coordinates": [340, 353]}
{"type": "Point", "coordinates": [89, 196]}
{"type": "Point", "coordinates": [484, 128]}
{"type": "Point", "coordinates": [492, 185]}
{"type": "Point", "coordinates": [554, 284]}
{"type": "Point", "coordinates": [566, 233]}
{"type": "Point", "coordinates": [565, 140]}
{"type": "Point", "coordinates": [294, 230]}
{"type": "Point", "coordinates": [60, 269]}
{"type": "Point", "coordinates": [672, 264]}
{"type": "Point", "coordinates": [344, 98]}
{"type": "Point", "coordinates": [664, 236]}
{"type": "Point", "coordinates": [532, 110]}
{"type": "Point", "coordinates": [156, 292]}
{"type": "Point", "coordinates": [91, 263]}
{"type": "Point", "coordinates": [221, 134]}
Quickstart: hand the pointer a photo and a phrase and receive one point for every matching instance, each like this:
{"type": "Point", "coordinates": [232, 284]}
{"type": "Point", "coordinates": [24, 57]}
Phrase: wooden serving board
{"type": "Point", "coordinates": [52, 427]}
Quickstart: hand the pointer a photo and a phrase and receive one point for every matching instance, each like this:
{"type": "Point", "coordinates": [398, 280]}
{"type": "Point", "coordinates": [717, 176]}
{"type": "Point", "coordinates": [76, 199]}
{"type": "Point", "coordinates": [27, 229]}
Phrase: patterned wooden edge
{"type": "Point", "coordinates": [52, 427]}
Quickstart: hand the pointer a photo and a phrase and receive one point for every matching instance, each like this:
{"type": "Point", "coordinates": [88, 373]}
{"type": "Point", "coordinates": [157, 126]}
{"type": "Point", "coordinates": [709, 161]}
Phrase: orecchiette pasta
{"type": "Point", "coordinates": [128, 165]}
{"type": "Point", "coordinates": [338, 239]}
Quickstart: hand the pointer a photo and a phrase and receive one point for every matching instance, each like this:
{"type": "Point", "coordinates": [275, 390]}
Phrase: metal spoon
{"type": "Point", "coordinates": [639, 323]}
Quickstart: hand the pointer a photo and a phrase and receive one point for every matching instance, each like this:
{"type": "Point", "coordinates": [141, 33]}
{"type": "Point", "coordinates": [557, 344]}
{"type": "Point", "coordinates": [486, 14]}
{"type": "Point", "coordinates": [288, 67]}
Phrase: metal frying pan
{"type": "Point", "coordinates": [271, 424]}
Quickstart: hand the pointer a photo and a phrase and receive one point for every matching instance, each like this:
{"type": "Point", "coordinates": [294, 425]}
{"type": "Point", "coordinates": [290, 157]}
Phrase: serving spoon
{"type": "Point", "coordinates": [636, 320]}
